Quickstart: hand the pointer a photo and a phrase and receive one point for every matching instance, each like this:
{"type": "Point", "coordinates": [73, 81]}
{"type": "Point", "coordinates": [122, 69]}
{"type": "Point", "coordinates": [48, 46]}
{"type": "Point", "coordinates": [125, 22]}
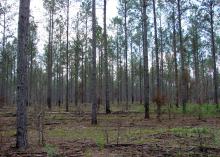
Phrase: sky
{"type": "Point", "coordinates": [39, 14]}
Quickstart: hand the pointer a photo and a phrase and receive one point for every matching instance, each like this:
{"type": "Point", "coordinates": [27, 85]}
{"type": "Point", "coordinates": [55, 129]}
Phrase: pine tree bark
{"type": "Point", "coordinates": [86, 53]}
{"type": "Point", "coordinates": [107, 104]}
{"type": "Point", "coordinates": [22, 89]}
{"type": "Point", "coordinates": [3, 69]}
{"type": "Point", "coordinates": [93, 77]}
{"type": "Point", "coordinates": [82, 77]}
{"type": "Point", "coordinates": [132, 73]}
{"type": "Point", "coordinates": [161, 58]}
{"type": "Point", "coordinates": [126, 53]}
{"type": "Point", "coordinates": [140, 77]}
{"type": "Point", "coordinates": [196, 62]}
{"type": "Point", "coordinates": [76, 73]}
{"type": "Point", "coordinates": [215, 75]}
{"type": "Point", "coordinates": [100, 76]}
{"type": "Point", "coordinates": [175, 61]}
{"type": "Point", "coordinates": [158, 94]}
{"type": "Point", "coordinates": [183, 56]}
{"type": "Point", "coordinates": [77, 50]}
{"type": "Point", "coordinates": [31, 71]}
{"type": "Point", "coordinates": [118, 68]}
{"type": "Point", "coordinates": [67, 57]}
{"type": "Point", "coordinates": [59, 70]}
{"type": "Point", "coordinates": [50, 64]}
{"type": "Point", "coordinates": [145, 54]}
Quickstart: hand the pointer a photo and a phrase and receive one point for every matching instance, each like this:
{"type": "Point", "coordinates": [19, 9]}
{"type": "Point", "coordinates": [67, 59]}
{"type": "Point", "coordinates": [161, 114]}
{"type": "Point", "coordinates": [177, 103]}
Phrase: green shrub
{"type": "Point", "coordinates": [51, 150]}
{"type": "Point", "coordinates": [100, 141]}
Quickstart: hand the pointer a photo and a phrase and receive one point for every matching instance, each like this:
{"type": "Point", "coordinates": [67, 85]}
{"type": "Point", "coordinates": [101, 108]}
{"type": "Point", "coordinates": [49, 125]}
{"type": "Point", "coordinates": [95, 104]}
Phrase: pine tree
{"type": "Point", "coordinates": [22, 100]}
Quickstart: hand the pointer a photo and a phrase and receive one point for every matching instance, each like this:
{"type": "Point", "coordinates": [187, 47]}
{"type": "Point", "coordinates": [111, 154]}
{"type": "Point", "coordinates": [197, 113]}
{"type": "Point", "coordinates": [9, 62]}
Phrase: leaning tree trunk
{"type": "Point", "coordinates": [22, 99]}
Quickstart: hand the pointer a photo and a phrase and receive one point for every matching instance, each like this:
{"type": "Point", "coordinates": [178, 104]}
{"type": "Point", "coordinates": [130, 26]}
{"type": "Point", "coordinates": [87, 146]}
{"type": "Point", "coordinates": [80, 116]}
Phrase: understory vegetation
{"type": "Point", "coordinates": [119, 133]}
{"type": "Point", "coordinates": [109, 78]}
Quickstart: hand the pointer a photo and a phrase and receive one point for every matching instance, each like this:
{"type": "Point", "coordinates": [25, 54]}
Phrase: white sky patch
{"type": "Point", "coordinates": [40, 17]}
{"type": "Point", "coordinates": [39, 14]}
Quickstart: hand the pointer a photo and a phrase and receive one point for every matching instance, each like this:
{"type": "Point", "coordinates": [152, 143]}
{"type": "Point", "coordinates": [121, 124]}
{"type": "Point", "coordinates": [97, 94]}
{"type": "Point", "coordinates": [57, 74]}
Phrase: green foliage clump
{"type": "Point", "coordinates": [100, 141]}
{"type": "Point", "coordinates": [51, 150]}
{"type": "Point", "coordinates": [200, 130]}
{"type": "Point", "coordinates": [200, 110]}
{"type": "Point", "coordinates": [88, 153]}
{"type": "Point", "coordinates": [189, 131]}
{"type": "Point", "coordinates": [216, 135]}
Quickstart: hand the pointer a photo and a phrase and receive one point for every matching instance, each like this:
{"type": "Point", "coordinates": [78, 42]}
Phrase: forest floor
{"type": "Point", "coordinates": [117, 134]}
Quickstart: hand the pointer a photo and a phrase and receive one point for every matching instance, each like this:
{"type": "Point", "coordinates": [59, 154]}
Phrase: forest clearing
{"type": "Point", "coordinates": [117, 134]}
{"type": "Point", "coordinates": [110, 78]}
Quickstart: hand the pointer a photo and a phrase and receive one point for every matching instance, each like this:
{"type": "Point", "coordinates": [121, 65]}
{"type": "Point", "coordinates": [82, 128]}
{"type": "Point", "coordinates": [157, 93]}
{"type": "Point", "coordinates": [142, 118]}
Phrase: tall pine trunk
{"type": "Point", "coordinates": [132, 72]}
{"type": "Point", "coordinates": [22, 89]}
{"type": "Point", "coordinates": [161, 59]}
{"type": "Point", "coordinates": [183, 56]}
{"type": "Point", "coordinates": [93, 77]}
{"type": "Point", "coordinates": [215, 75]}
{"type": "Point", "coordinates": [175, 61]}
{"type": "Point", "coordinates": [77, 52]}
{"type": "Point", "coordinates": [67, 57]}
{"type": "Point", "coordinates": [145, 55]}
{"type": "Point", "coordinates": [196, 61]}
{"type": "Point", "coordinates": [118, 69]}
{"type": "Point", "coordinates": [85, 64]}
{"type": "Point", "coordinates": [158, 94]}
{"type": "Point", "coordinates": [50, 64]}
{"type": "Point", "coordinates": [107, 104]}
{"type": "Point", "coordinates": [3, 69]}
{"type": "Point", "coordinates": [126, 54]}
{"type": "Point", "coordinates": [30, 70]}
